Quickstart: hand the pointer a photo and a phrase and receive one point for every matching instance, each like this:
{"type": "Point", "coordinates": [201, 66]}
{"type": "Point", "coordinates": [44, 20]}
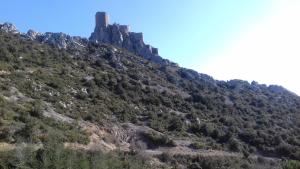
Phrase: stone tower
{"type": "Point", "coordinates": [102, 20]}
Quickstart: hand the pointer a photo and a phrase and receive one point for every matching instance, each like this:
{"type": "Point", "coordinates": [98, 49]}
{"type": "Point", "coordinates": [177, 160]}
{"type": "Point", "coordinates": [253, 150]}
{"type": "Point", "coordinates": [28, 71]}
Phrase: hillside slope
{"type": "Point", "coordinates": [120, 100]}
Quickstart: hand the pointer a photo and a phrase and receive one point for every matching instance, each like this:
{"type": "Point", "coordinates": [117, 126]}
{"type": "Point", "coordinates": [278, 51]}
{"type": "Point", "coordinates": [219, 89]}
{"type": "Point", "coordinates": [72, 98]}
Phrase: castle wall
{"type": "Point", "coordinates": [125, 28]}
{"type": "Point", "coordinates": [137, 36]}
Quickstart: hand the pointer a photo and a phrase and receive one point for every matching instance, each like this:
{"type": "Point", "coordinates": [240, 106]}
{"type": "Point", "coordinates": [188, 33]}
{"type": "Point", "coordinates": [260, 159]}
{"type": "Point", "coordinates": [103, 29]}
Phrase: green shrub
{"type": "Point", "coordinates": [284, 149]}
{"type": "Point", "coordinates": [2, 101]}
{"type": "Point", "coordinates": [36, 109]}
{"type": "Point", "coordinates": [175, 124]}
{"type": "Point", "coordinates": [157, 139]}
{"type": "Point", "coordinates": [54, 156]}
{"type": "Point", "coordinates": [207, 129]}
{"type": "Point", "coordinates": [195, 166]}
{"type": "Point", "coordinates": [166, 157]}
{"type": "Point", "coordinates": [234, 145]}
{"type": "Point", "coordinates": [291, 164]}
{"type": "Point", "coordinates": [197, 145]}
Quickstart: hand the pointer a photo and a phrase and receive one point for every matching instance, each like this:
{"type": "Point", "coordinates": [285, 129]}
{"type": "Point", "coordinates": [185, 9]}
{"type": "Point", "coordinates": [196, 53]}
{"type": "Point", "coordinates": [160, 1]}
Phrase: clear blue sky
{"type": "Point", "coordinates": [223, 38]}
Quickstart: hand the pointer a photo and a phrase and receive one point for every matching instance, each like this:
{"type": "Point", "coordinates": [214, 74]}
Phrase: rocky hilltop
{"type": "Point", "coordinates": [9, 28]}
{"type": "Point", "coordinates": [121, 36]}
{"type": "Point", "coordinates": [118, 35]}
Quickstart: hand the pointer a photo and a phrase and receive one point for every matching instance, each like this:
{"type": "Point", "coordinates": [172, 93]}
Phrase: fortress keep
{"type": "Point", "coordinates": [102, 20]}
{"type": "Point", "coordinates": [120, 35]}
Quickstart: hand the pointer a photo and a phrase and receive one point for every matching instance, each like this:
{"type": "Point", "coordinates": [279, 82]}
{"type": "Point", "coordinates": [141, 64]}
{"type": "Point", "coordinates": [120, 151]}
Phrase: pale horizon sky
{"type": "Point", "coordinates": [267, 50]}
{"type": "Point", "coordinates": [250, 40]}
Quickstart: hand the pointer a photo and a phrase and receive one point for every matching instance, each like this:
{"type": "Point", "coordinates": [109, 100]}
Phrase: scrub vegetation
{"type": "Point", "coordinates": [90, 84]}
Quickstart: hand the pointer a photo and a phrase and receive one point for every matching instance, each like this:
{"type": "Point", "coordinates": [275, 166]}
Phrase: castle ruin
{"type": "Point", "coordinates": [120, 35]}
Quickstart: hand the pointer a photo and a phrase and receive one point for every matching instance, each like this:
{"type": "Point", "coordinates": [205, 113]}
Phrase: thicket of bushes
{"type": "Point", "coordinates": [207, 162]}
{"type": "Point", "coordinates": [229, 116]}
{"type": "Point", "coordinates": [54, 156]}
{"type": "Point", "coordinates": [291, 164]}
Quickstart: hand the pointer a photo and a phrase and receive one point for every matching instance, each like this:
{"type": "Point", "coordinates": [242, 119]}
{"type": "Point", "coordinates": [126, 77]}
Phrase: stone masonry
{"type": "Point", "coordinates": [102, 19]}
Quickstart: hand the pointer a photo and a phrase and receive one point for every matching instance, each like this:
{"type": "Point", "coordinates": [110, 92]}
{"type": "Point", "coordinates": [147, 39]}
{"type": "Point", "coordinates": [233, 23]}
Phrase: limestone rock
{"type": "Point", "coordinates": [56, 39]}
{"type": "Point", "coordinates": [115, 59]}
{"type": "Point", "coordinates": [60, 40]}
{"type": "Point", "coordinates": [9, 28]}
{"type": "Point", "coordinates": [33, 35]}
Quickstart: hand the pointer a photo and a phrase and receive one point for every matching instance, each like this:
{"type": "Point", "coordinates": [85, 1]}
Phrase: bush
{"type": "Point", "coordinates": [175, 124]}
{"type": "Point", "coordinates": [2, 101]}
{"type": "Point", "coordinates": [207, 129]}
{"type": "Point", "coordinates": [195, 166]}
{"type": "Point", "coordinates": [197, 145]}
{"type": "Point", "coordinates": [36, 109]}
{"type": "Point", "coordinates": [158, 139]}
{"type": "Point", "coordinates": [284, 149]}
{"type": "Point", "coordinates": [54, 156]}
{"type": "Point", "coordinates": [166, 157]}
{"type": "Point", "coordinates": [246, 153]}
{"type": "Point", "coordinates": [5, 134]}
{"type": "Point", "coordinates": [291, 164]}
{"type": "Point", "coordinates": [234, 145]}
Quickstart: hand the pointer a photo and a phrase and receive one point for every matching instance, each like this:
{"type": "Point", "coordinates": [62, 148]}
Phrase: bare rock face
{"type": "Point", "coordinates": [31, 34]}
{"type": "Point", "coordinates": [9, 28]}
{"type": "Point", "coordinates": [59, 40]}
{"type": "Point", "coordinates": [121, 36]}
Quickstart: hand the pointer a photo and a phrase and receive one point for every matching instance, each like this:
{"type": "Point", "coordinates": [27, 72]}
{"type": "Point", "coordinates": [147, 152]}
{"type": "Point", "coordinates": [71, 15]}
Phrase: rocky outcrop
{"type": "Point", "coordinates": [193, 75]}
{"type": "Point", "coordinates": [33, 35]}
{"type": "Point", "coordinates": [60, 40]}
{"type": "Point", "coordinates": [121, 36]}
{"type": "Point", "coordinates": [9, 28]}
{"type": "Point", "coordinates": [115, 59]}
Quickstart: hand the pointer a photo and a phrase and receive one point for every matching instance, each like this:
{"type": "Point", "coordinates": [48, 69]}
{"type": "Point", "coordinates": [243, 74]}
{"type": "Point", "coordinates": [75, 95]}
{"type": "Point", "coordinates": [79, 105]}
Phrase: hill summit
{"type": "Point", "coordinates": [121, 36]}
